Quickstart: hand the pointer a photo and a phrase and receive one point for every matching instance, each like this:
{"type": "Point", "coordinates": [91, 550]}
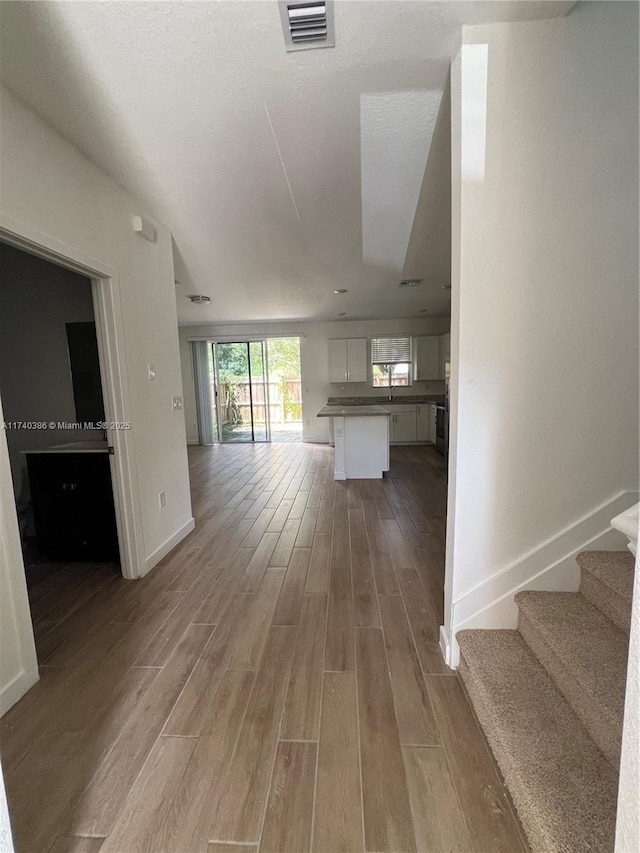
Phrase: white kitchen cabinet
{"type": "Point", "coordinates": [402, 423]}
{"type": "Point", "coordinates": [357, 359]}
{"type": "Point", "coordinates": [348, 360]}
{"type": "Point", "coordinates": [427, 360]}
{"type": "Point", "coordinates": [433, 420]}
{"type": "Point", "coordinates": [404, 428]}
{"type": "Point", "coordinates": [426, 422]}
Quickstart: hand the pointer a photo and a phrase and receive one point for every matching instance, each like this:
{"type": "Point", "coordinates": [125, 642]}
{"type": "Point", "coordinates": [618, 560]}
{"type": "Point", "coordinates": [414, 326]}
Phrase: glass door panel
{"type": "Point", "coordinates": [258, 389]}
{"type": "Point", "coordinates": [214, 392]}
{"type": "Point", "coordinates": [241, 391]}
{"type": "Point", "coordinates": [233, 392]}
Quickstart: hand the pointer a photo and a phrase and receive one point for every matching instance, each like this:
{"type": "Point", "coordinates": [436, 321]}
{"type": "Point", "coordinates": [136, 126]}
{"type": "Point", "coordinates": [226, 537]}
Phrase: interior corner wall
{"type": "Point", "coordinates": [18, 663]}
{"type": "Point", "coordinates": [545, 285]}
{"type": "Point", "coordinates": [314, 361]}
{"type": "Point", "coordinates": [49, 188]}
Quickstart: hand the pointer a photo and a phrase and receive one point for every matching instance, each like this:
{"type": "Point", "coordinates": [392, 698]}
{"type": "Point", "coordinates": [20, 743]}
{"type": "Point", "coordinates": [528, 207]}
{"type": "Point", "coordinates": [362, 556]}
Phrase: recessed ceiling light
{"type": "Point", "coordinates": [446, 287]}
{"type": "Point", "coordinates": [411, 282]}
{"type": "Point", "coordinates": [198, 299]}
{"type": "Point", "coordinates": [341, 290]}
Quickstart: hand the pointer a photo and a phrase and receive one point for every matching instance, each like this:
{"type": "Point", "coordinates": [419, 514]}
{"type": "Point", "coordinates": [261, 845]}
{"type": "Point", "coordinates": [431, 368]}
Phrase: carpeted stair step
{"type": "Point", "coordinates": [606, 579]}
{"type": "Point", "coordinates": [586, 656]}
{"type": "Point", "coordinates": [563, 787]}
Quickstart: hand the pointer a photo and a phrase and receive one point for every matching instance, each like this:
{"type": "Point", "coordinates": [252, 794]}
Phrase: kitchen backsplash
{"type": "Point", "coordinates": [363, 389]}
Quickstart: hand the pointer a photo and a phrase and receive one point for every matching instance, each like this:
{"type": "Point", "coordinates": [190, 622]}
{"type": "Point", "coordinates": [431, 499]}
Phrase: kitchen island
{"type": "Point", "coordinates": [361, 436]}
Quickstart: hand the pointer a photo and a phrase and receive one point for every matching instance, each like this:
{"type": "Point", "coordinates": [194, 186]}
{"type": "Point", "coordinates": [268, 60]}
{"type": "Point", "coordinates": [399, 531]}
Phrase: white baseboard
{"type": "Point", "coordinates": [551, 566]}
{"type": "Point", "coordinates": [445, 646]}
{"type": "Point", "coordinates": [167, 546]}
{"type": "Point", "coordinates": [16, 689]}
{"type": "Point", "coordinates": [192, 441]}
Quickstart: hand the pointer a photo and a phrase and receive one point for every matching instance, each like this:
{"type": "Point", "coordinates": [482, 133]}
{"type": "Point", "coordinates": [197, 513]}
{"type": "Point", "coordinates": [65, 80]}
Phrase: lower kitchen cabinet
{"type": "Point", "coordinates": [402, 423]}
{"type": "Point", "coordinates": [73, 509]}
{"type": "Point", "coordinates": [404, 426]}
{"type": "Point", "coordinates": [426, 422]}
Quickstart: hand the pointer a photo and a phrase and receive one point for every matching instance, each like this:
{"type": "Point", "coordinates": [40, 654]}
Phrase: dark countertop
{"type": "Point", "coordinates": [351, 411]}
{"type": "Point", "coordinates": [380, 400]}
{"type": "Point", "coordinates": [88, 446]}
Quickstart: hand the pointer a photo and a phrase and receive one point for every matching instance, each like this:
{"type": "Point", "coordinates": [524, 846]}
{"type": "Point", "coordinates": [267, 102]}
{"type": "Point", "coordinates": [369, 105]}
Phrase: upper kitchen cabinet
{"type": "Point", "coordinates": [348, 360]}
{"type": "Point", "coordinates": [428, 364]}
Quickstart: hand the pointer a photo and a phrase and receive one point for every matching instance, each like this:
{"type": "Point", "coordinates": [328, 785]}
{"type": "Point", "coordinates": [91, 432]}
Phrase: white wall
{"type": "Point", "coordinates": [314, 362]}
{"type": "Point", "coordinates": [37, 299]}
{"type": "Point", "coordinates": [50, 189]}
{"type": "Point", "coordinates": [545, 302]}
{"type": "Point", "coordinates": [18, 664]}
{"type": "Point", "coordinates": [49, 186]}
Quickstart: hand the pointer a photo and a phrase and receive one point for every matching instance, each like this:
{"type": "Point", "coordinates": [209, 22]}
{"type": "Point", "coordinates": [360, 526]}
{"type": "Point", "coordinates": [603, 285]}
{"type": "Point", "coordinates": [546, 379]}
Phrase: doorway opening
{"type": "Point", "coordinates": [55, 425]}
{"type": "Point", "coordinates": [254, 391]}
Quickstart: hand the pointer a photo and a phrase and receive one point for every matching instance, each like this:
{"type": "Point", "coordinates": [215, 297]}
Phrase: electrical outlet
{"type": "Point", "coordinates": [176, 404]}
{"type": "Point", "coordinates": [151, 368]}
{"type": "Point", "coordinates": [162, 499]}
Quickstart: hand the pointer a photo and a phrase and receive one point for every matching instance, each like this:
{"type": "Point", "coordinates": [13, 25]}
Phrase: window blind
{"type": "Point", "coordinates": [200, 353]}
{"type": "Point", "coordinates": [390, 350]}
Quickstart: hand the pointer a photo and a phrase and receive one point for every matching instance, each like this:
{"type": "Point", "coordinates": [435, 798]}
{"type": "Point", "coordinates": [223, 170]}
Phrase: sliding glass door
{"type": "Point", "coordinates": [241, 391]}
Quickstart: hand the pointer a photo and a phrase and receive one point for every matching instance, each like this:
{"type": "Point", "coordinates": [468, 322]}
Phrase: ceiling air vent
{"type": "Point", "coordinates": [307, 24]}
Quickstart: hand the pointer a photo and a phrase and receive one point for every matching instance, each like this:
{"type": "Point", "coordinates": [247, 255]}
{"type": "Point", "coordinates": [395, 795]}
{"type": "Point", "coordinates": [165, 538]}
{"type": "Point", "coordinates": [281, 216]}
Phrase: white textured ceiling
{"type": "Point", "coordinates": [283, 176]}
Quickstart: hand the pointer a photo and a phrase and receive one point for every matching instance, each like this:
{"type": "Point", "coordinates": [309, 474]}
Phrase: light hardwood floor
{"type": "Point", "coordinates": [274, 685]}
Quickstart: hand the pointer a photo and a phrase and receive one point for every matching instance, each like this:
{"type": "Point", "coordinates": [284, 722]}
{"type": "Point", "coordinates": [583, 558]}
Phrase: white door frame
{"type": "Point", "coordinates": [105, 288]}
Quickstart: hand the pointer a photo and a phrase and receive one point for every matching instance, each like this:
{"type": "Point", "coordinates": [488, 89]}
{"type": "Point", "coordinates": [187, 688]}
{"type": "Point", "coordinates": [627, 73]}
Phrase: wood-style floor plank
{"type": "Point", "coordinates": [141, 819]}
{"type": "Point", "coordinates": [241, 807]}
{"type": "Point", "coordinates": [301, 718]}
{"type": "Point", "coordinates": [423, 621]}
{"type": "Point", "coordinates": [255, 612]}
{"type": "Point", "coordinates": [338, 818]}
{"type": "Point", "coordinates": [191, 712]}
{"type": "Point", "coordinates": [484, 806]}
{"type": "Point", "coordinates": [287, 823]}
{"type": "Point", "coordinates": [437, 818]}
{"type": "Point", "coordinates": [388, 825]}
{"type": "Point", "coordinates": [190, 816]}
{"type": "Point", "coordinates": [286, 542]}
{"type": "Point", "coordinates": [318, 574]}
{"type": "Point", "coordinates": [416, 720]}
{"type": "Point", "coordinates": [339, 655]}
{"type": "Point", "coordinates": [287, 610]}
{"type": "Point", "coordinates": [103, 799]}
{"type": "Point", "coordinates": [76, 844]}
{"type": "Point", "coordinates": [365, 602]}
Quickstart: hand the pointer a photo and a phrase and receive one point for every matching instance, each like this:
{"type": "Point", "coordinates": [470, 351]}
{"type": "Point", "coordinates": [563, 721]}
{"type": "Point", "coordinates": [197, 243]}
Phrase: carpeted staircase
{"type": "Point", "coordinates": [550, 698]}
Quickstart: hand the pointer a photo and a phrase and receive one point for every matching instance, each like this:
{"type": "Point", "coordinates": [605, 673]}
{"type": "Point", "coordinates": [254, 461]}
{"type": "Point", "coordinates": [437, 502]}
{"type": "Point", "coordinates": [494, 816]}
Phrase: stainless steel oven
{"type": "Point", "coordinates": [442, 428]}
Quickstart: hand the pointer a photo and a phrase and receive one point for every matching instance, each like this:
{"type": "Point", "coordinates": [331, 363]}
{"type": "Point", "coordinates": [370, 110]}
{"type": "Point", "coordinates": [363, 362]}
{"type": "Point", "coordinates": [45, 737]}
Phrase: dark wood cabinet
{"type": "Point", "coordinates": [73, 506]}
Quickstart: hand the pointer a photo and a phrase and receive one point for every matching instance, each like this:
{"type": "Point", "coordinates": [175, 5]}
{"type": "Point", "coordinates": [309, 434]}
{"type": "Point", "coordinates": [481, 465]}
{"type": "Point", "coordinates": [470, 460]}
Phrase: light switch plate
{"type": "Point", "coordinates": [176, 404]}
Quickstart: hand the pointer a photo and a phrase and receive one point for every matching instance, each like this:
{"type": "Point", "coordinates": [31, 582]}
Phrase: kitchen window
{"type": "Point", "coordinates": [391, 360]}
